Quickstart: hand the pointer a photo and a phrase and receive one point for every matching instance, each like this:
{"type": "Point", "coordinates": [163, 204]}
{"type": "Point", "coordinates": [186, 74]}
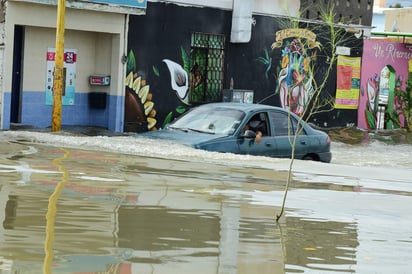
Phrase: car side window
{"type": "Point", "coordinates": [281, 125]}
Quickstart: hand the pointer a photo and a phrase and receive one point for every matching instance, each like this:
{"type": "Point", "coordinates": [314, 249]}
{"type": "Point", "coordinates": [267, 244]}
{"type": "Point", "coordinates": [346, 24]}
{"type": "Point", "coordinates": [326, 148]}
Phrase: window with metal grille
{"type": "Point", "coordinates": [206, 67]}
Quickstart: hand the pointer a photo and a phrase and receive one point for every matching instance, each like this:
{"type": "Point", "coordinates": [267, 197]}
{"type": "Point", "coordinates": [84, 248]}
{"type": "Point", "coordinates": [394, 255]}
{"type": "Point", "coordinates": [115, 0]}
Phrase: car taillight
{"type": "Point", "coordinates": [328, 140]}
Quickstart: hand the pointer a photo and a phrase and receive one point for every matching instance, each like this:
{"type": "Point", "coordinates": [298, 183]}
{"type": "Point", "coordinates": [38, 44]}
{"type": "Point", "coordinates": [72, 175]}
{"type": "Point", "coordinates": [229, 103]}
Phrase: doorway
{"type": "Point", "coordinates": [17, 76]}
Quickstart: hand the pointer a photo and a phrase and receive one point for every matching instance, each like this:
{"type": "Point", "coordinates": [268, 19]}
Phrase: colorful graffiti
{"type": "Point", "coordinates": [295, 74]}
{"type": "Point", "coordinates": [140, 113]}
{"type": "Point", "coordinates": [384, 71]}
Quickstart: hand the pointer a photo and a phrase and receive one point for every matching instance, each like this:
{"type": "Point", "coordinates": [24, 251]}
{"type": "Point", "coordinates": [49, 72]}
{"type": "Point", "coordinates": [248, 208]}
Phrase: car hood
{"type": "Point", "coordinates": [186, 138]}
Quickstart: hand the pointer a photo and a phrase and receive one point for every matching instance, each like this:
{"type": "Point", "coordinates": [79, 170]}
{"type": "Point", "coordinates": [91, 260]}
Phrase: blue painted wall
{"type": "Point", "coordinates": [36, 113]}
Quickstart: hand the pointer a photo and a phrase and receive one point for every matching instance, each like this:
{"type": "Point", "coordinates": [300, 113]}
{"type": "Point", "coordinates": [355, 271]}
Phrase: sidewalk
{"type": "Point", "coordinates": [72, 130]}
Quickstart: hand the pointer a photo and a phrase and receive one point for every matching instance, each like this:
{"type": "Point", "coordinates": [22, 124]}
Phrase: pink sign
{"type": "Point", "coordinates": [379, 59]}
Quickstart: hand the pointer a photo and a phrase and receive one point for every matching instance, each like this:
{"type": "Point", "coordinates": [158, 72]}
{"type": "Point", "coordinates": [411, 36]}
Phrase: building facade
{"type": "Point", "coordinates": [197, 55]}
{"type": "Point", "coordinates": [138, 68]}
{"type": "Point", "coordinates": [398, 20]}
{"type": "Point", "coordinates": [95, 39]}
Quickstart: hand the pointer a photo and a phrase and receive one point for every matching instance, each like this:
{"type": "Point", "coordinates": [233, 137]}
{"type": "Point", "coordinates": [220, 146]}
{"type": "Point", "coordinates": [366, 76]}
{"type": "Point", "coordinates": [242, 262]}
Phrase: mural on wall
{"type": "Point", "coordinates": [140, 112]}
{"type": "Point", "coordinates": [294, 74]}
{"type": "Point", "coordinates": [174, 59]}
{"type": "Point", "coordinates": [178, 80]}
{"type": "Point", "coordinates": [384, 70]}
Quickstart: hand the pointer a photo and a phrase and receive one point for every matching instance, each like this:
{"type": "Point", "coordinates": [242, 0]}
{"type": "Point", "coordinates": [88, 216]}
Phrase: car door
{"type": "Point", "coordinates": [267, 146]}
{"type": "Point", "coordinates": [284, 128]}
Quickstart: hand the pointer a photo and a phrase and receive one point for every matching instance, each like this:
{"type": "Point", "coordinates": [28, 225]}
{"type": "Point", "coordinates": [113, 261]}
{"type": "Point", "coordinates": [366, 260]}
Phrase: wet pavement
{"type": "Point", "coordinates": [77, 202]}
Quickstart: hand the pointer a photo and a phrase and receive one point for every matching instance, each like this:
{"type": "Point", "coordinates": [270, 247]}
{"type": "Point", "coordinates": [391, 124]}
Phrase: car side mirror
{"type": "Point", "coordinates": [248, 134]}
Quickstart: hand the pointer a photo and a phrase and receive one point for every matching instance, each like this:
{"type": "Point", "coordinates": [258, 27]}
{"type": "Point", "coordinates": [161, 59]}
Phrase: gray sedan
{"type": "Point", "coordinates": [253, 129]}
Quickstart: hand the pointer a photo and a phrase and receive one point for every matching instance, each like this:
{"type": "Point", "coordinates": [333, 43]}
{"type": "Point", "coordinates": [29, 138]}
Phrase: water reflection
{"type": "Point", "coordinates": [125, 214]}
{"type": "Point", "coordinates": [320, 245]}
{"type": "Point", "coordinates": [51, 212]}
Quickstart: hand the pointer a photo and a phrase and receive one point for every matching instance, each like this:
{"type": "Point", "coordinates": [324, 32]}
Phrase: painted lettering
{"type": "Point", "coordinates": [391, 52]}
{"type": "Point", "coordinates": [379, 52]}
{"type": "Point", "coordinates": [394, 53]}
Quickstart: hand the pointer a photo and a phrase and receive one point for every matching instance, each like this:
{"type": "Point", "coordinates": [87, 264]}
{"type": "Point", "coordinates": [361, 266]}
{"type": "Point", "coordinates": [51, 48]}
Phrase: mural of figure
{"type": "Point", "coordinates": [295, 79]}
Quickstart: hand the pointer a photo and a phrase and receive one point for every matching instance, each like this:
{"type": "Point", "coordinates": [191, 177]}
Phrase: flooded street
{"type": "Point", "coordinates": [123, 204]}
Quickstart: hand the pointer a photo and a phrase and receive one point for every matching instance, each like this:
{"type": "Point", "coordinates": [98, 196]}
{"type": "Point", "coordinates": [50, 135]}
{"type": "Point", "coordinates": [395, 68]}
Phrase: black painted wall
{"type": "Point", "coordinates": [162, 34]}
{"type": "Point", "coordinates": [167, 28]}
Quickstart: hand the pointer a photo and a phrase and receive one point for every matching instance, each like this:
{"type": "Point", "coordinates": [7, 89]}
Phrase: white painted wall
{"type": "Point", "coordinates": [93, 56]}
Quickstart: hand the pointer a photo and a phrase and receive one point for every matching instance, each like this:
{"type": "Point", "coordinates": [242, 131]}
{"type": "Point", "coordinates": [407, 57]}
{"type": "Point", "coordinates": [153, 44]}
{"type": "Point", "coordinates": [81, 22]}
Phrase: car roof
{"type": "Point", "coordinates": [249, 108]}
{"type": "Point", "coordinates": [246, 107]}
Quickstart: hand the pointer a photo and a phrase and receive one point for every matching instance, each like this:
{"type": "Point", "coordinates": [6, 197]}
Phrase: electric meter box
{"type": "Point", "coordinates": [238, 95]}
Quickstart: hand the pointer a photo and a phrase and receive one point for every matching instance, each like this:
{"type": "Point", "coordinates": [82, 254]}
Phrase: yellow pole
{"type": "Point", "coordinates": [58, 81]}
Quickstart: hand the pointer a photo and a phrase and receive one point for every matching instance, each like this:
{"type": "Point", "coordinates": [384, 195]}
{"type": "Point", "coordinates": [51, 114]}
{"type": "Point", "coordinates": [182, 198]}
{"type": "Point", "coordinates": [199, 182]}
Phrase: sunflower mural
{"type": "Point", "coordinates": [294, 84]}
{"type": "Point", "coordinates": [140, 112]}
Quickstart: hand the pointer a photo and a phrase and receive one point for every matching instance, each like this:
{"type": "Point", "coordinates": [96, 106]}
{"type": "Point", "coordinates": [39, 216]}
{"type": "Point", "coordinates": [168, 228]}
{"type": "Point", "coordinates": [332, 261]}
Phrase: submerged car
{"type": "Point", "coordinates": [233, 128]}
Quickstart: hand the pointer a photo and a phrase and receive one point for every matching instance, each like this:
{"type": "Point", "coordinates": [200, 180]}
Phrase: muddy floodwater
{"type": "Point", "coordinates": [124, 204]}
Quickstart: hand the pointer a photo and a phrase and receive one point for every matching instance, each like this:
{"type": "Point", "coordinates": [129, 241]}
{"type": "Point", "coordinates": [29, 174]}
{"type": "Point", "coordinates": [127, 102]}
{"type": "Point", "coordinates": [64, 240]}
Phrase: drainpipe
{"type": "Point", "coordinates": [241, 21]}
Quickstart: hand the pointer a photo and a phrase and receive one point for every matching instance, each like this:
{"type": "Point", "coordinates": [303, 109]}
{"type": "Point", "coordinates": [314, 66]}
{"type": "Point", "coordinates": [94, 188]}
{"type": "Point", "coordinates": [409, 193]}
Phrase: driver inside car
{"type": "Point", "coordinates": [253, 125]}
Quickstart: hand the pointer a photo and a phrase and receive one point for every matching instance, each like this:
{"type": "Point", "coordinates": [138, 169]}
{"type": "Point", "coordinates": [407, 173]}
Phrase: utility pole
{"type": "Point", "coordinates": [58, 80]}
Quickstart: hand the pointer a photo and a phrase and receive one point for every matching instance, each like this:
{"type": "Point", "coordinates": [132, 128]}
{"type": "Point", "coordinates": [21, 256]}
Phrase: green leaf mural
{"type": "Point", "coordinates": [185, 59]}
{"type": "Point", "coordinates": [370, 119]}
{"type": "Point", "coordinates": [167, 119]}
{"type": "Point", "coordinates": [403, 106]}
{"type": "Point", "coordinates": [180, 109]}
{"type": "Point", "coordinates": [267, 61]}
{"type": "Point", "coordinates": [156, 71]}
{"type": "Point", "coordinates": [131, 63]}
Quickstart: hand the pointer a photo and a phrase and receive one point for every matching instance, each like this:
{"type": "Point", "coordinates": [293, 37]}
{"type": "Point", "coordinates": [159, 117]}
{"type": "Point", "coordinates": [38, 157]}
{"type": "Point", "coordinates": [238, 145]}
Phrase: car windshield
{"type": "Point", "coordinates": [212, 120]}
